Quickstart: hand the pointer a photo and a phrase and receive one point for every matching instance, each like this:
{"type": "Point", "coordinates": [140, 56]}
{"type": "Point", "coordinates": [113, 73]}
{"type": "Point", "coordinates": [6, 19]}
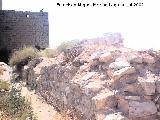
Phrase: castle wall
{"type": "Point", "coordinates": [18, 29]}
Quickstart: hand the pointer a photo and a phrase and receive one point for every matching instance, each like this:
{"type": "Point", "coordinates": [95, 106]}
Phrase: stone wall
{"type": "Point", "coordinates": [107, 84]}
{"type": "Point", "coordinates": [18, 29]}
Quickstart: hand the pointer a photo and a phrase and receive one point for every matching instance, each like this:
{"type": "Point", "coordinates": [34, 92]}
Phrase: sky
{"type": "Point", "coordinates": [138, 25]}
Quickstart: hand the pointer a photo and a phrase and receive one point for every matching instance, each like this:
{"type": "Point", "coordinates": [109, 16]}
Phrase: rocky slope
{"type": "Point", "coordinates": [41, 109]}
{"type": "Point", "coordinates": [99, 82]}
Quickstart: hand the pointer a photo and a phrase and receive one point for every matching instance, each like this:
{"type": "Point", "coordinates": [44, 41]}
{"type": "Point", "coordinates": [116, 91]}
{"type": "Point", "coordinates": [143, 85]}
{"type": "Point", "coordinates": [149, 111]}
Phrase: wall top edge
{"type": "Point", "coordinates": [14, 11]}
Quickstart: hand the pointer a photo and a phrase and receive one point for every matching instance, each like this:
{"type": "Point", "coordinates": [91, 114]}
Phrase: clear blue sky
{"type": "Point", "coordinates": [139, 26]}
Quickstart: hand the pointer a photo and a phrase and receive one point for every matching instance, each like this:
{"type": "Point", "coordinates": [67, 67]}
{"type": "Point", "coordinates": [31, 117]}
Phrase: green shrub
{"type": "Point", "coordinates": [68, 45]}
{"type": "Point", "coordinates": [22, 55]}
{"type": "Point", "coordinates": [16, 106]}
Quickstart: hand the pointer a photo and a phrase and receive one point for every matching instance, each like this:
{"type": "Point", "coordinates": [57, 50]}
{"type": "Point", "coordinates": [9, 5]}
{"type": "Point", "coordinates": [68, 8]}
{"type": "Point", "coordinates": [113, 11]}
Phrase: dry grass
{"type": "Point", "coordinates": [23, 54]}
{"type": "Point", "coordinates": [4, 85]}
{"type": "Point", "coordinates": [68, 45]}
{"type": "Point", "coordinates": [49, 53]}
{"type": "Point", "coordinates": [28, 53]}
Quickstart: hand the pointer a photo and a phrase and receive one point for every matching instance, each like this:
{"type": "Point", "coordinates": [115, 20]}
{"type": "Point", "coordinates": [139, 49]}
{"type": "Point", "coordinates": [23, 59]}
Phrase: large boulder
{"type": "Point", "coordinates": [115, 116]}
{"type": "Point", "coordinates": [119, 65]}
{"type": "Point", "coordinates": [141, 109]}
{"type": "Point", "coordinates": [148, 59]}
{"type": "Point", "coordinates": [124, 71]}
{"type": "Point", "coordinates": [135, 59]}
{"type": "Point", "coordinates": [106, 57]}
{"type": "Point", "coordinates": [105, 98]}
{"type": "Point", "coordinates": [148, 85]}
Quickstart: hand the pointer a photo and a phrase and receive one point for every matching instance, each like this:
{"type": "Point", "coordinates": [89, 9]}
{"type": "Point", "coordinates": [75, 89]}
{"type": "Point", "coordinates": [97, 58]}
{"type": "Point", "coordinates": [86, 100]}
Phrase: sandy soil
{"type": "Point", "coordinates": [42, 110]}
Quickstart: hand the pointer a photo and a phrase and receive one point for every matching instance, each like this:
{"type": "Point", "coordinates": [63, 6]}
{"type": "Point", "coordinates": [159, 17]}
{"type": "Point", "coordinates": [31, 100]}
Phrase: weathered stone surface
{"type": "Point", "coordinates": [92, 87]}
{"type": "Point", "coordinates": [106, 57]}
{"type": "Point", "coordinates": [103, 77]}
{"type": "Point", "coordinates": [96, 55]}
{"type": "Point", "coordinates": [134, 88]}
{"type": "Point", "coordinates": [124, 71]}
{"type": "Point", "coordinates": [136, 98]}
{"type": "Point", "coordinates": [158, 106]}
{"type": "Point", "coordinates": [158, 85]}
{"type": "Point", "coordinates": [148, 59]}
{"type": "Point", "coordinates": [96, 89]}
{"type": "Point", "coordinates": [100, 115]}
{"type": "Point", "coordinates": [123, 105]}
{"type": "Point", "coordinates": [141, 109]}
{"type": "Point", "coordinates": [119, 65]}
{"type": "Point", "coordinates": [5, 72]}
{"type": "Point", "coordinates": [135, 59]}
{"type": "Point", "coordinates": [88, 75]}
{"type": "Point", "coordinates": [115, 116]}
{"type": "Point", "coordinates": [84, 68]}
{"type": "Point", "coordinates": [105, 98]}
{"type": "Point", "coordinates": [147, 97]}
{"type": "Point", "coordinates": [148, 85]}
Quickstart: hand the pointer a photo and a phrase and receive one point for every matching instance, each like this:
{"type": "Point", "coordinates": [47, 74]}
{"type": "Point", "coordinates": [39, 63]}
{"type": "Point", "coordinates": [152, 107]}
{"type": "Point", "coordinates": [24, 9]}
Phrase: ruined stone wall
{"type": "Point", "coordinates": [19, 28]}
{"type": "Point", "coordinates": [107, 84]}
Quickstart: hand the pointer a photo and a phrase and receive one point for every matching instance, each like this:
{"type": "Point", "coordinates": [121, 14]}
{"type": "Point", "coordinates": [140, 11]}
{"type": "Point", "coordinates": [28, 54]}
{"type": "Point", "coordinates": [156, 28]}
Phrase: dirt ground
{"type": "Point", "coordinates": [41, 109]}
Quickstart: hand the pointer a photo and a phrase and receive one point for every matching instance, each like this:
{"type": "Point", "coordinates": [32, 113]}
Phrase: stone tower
{"type": "Point", "coordinates": [19, 29]}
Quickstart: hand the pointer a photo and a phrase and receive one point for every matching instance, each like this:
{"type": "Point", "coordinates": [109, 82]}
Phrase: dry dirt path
{"type": "Point", "coordinates": [42, 110]}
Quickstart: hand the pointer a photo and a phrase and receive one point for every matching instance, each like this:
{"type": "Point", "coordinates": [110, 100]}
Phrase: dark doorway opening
{"type": "Point", "coordinates": [4, 55]}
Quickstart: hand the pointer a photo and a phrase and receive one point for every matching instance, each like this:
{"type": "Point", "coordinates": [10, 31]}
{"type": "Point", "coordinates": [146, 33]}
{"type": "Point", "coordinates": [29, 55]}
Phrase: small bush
{"type": "Point", "coordinates": [16, 106]}
{"type": "Point", "coordinates": [4, 85]}
{"type": "Point", "coordinates": [22, 55]}
{"type": "Point", "coordinates": [68, 45]}
{"type": "Point", "coordinates": [50, 53]}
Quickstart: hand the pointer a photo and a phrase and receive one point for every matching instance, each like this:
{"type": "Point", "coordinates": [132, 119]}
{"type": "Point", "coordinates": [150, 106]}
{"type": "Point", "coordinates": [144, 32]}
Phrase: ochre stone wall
{"type": "Point", "coordinates": [18, 29]}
